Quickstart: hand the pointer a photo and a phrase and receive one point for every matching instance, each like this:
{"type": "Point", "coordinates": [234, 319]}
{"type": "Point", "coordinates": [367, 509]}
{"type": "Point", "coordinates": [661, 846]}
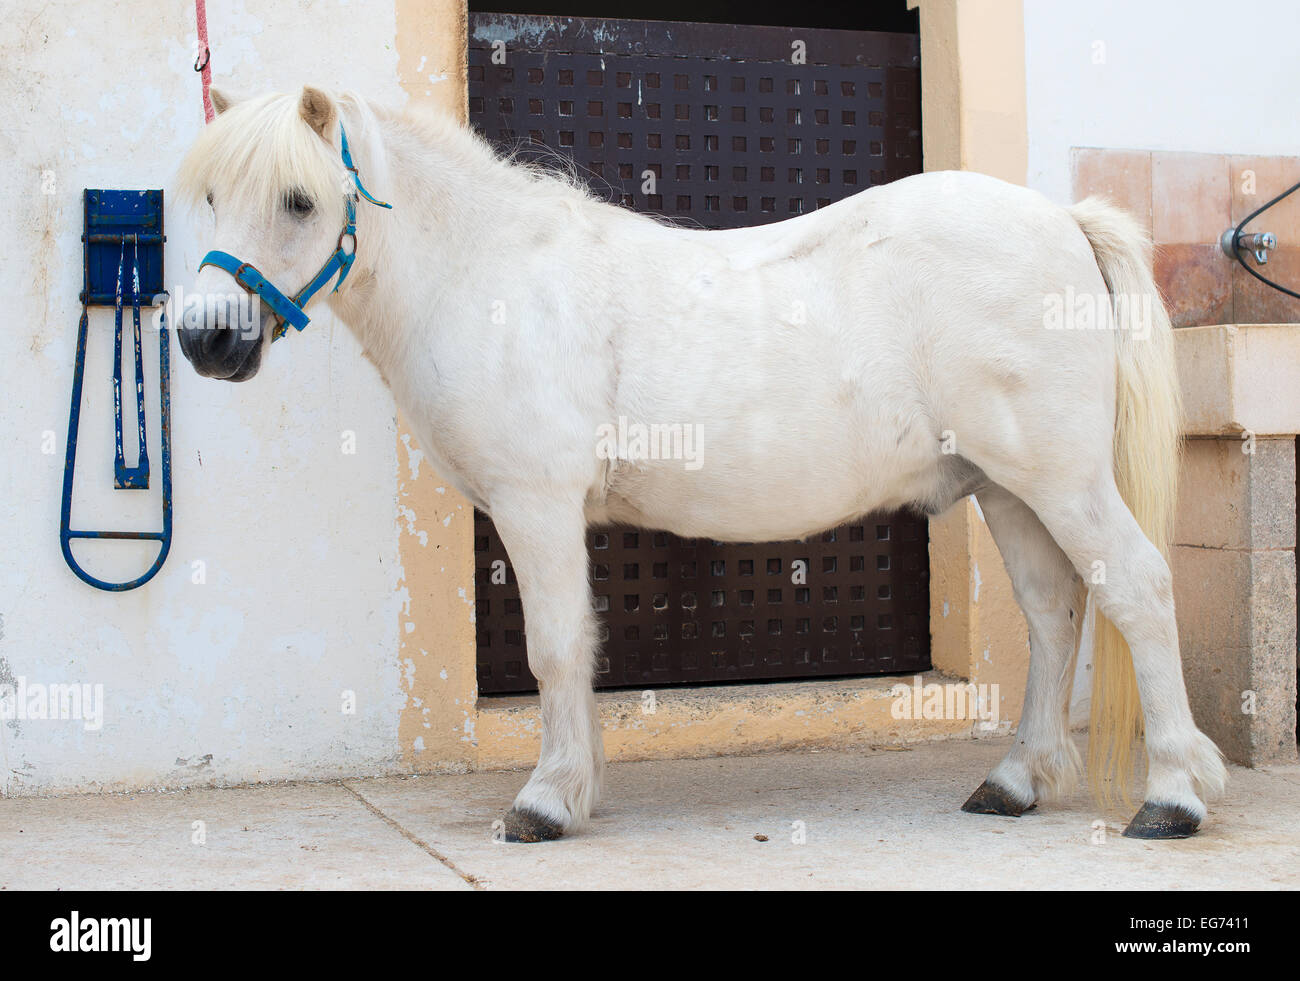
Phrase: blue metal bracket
{"type": "Point", "coordinates": [123, 232]}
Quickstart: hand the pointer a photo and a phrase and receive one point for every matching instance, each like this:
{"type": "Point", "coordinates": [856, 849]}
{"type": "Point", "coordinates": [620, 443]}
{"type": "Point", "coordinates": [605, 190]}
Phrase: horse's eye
{"type": "Point", "coordinates": [298, 204]}
{"type": "Point", "coordinates": [210, 204]}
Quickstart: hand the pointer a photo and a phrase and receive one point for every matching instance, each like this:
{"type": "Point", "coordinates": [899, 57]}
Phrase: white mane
{"type": "Point", "coordinates": [258, 150]}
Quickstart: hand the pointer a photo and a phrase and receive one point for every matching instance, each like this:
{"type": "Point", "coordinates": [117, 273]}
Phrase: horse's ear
{"type": "Point", "coordinates": [220, 100]}
{"type": "Point", "coordinates": [318, 110]}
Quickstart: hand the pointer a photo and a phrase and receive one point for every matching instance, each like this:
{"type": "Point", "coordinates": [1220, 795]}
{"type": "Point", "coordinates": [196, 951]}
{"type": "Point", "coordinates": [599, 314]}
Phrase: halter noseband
{"type": "Point", "coordinates": [290, 310]}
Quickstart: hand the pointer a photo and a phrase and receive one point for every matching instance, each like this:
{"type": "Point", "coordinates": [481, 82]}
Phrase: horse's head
{"type": "Point", "coordinates": [272, 170]}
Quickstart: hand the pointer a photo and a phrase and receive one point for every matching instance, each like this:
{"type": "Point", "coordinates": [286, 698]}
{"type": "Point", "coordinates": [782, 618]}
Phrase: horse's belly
{"type": "Point", "coordinates": [736, 503]}
{"type": "Point", "coordinates": [799, 454]}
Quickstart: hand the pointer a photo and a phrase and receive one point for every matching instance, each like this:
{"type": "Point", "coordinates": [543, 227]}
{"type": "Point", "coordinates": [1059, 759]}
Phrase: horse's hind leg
{"type": "Point", "coordinates": [1043, 760]}
{"type": "Point", "coordinates": [546, 543]}
{"type": "Point", "coordinates": [1135, 591]}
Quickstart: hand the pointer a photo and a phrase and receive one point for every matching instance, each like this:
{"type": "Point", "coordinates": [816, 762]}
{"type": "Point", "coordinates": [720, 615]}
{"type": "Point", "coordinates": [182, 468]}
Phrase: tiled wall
{"type": "Point", "coordinates": [1185, 201]}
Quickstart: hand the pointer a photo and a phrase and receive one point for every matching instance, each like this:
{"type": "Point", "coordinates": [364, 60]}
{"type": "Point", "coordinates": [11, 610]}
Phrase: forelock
{"type": "Point", "coordinates": [255, 152]}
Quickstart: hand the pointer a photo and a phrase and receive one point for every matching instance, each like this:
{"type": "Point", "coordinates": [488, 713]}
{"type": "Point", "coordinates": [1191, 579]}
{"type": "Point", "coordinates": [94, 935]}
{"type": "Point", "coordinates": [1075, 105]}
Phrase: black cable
{"type": "Point", "coordinates": [1236, 238]}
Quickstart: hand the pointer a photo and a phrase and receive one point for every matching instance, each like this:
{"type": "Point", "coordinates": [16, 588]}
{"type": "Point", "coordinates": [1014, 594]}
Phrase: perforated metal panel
{"type": "Point", "coordinates": [733, 131]}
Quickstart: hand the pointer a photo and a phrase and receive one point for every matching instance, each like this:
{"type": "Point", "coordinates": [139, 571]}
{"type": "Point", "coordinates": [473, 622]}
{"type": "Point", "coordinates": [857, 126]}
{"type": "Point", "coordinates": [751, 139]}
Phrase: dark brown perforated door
{"type": "Point", "coordinates": [722, 126]}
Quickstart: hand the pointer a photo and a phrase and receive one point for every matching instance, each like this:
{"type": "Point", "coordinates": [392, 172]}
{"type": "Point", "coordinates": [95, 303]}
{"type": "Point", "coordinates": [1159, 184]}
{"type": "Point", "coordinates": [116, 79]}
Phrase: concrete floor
{"type": "Point", "coordinates": [873, 818]}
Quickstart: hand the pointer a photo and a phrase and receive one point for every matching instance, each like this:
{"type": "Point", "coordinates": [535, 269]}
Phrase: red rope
{"type": "Point", "coordinates": [203, 64]}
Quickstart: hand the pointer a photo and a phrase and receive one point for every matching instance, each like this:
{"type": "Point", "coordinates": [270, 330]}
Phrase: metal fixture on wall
{"type": "Point", "coordinates": [1236, 240]}
{"type": "Point", "coordinates": [123, 250]}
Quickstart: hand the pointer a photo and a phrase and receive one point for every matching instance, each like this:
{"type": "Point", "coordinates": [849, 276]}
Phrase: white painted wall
{"type": "Point", "coordinates": [1194, 75]}
{"type": "Point", "coordinates": [299, 540]}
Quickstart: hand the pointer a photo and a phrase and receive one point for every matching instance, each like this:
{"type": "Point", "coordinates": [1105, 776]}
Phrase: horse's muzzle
{"type": "Point", "coordinates": [221, 352]}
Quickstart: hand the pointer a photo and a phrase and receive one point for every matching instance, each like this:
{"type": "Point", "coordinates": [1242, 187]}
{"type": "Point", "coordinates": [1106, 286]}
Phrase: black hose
{"type": "Point", "coordinates": [1236, 238]}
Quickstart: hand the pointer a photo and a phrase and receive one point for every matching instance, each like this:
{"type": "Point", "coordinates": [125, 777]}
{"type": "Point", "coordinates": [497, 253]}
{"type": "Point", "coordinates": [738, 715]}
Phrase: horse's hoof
{"type": "Point", "coordinates": [1162, 821]}
{"type": "Point", "coordinates": [528, 827]}
{"type": "Point", "coordinates": [989, 798]}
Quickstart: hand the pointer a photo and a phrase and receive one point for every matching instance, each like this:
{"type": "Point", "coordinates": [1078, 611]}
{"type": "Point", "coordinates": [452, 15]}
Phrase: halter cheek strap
{"type": "Point", "coordinates": [291, 311]}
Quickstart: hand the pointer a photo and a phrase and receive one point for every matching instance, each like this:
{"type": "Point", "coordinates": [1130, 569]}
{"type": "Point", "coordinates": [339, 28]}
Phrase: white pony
{"type": "Point", "coordinates": [903, 348]}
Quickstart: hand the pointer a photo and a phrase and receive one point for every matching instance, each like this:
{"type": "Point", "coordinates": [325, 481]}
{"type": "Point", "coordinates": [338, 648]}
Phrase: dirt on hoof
{"type": "Point", "coordinates": [989, 798]}
{"type": "Point", "coordinates": [523, 826]}
{"type": "Point", "coordinates": [1156, 821]}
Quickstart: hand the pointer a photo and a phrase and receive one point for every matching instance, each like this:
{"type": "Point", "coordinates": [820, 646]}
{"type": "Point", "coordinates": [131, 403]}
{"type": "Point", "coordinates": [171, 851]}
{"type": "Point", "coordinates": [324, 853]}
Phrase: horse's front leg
{"type": "Point", "coordinates": [546, 542]}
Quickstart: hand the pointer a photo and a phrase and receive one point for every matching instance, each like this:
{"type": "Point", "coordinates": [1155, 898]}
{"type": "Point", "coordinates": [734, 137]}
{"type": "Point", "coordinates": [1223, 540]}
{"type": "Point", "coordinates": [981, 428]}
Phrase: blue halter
{"type": "Point", "coordinates": [291, 311]}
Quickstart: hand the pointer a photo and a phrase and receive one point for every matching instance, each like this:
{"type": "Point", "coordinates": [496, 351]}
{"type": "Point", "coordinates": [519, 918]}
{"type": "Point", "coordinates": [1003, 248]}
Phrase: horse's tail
{"type": "Point", "coordinates": [1148, 435]}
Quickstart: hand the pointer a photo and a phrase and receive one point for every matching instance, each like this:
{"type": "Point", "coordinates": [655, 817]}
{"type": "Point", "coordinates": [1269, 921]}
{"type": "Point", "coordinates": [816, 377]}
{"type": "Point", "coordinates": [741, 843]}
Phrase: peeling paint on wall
{"type": "Point", "coordinates": [436, 541]}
